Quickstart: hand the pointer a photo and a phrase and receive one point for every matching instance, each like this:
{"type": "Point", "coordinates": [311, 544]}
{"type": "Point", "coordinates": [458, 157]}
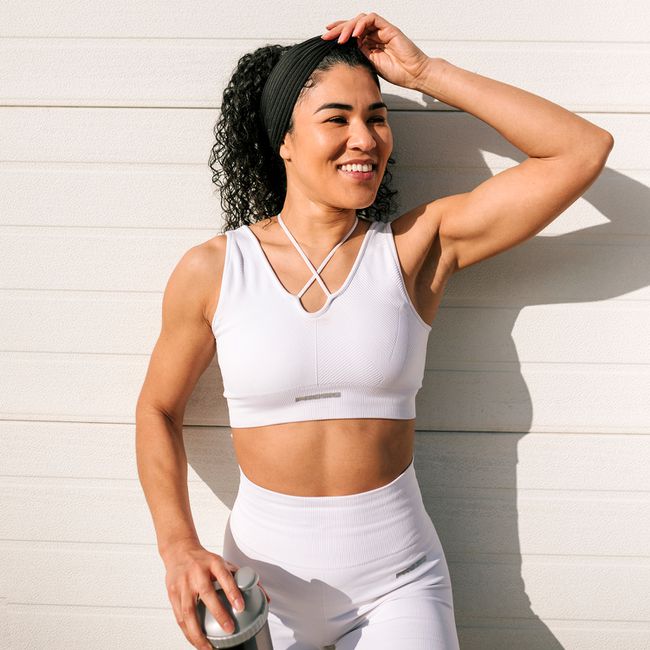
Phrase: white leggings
{"type": "Point", "coordinates": [364, 571]}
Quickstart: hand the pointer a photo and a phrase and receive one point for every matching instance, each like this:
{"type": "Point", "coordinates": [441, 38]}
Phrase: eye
{"type": "Point", "coordinates": [378, 118]}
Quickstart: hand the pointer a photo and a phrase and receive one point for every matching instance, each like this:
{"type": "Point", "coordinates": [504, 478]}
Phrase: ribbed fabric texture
{"type": "Point", "coordinates": [362, 355]}
{"type": "Point", "coordinates": [287, 78]}
{"type": "Point", "coordinates": [326, 530]}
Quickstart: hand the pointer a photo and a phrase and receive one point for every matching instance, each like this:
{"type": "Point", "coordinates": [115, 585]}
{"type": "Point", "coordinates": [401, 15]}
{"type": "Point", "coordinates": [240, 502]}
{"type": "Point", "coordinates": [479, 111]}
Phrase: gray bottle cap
{"type": "Point", "coordinates": [247, 622]}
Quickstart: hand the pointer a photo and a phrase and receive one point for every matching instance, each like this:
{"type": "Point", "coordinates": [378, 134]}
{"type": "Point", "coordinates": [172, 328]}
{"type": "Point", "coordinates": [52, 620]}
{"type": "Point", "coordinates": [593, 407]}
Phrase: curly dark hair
{"type": "Point", "coordinates": [251, 177]}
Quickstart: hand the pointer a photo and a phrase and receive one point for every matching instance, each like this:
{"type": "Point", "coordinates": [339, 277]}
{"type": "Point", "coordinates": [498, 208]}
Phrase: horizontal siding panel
{"type": "Point", "coordinates": [79, 322]}
{"type": "Point", "coordinates": [102, 628]}
{"type": "Point", "coordinates": [194, 72]}
{"type": "Point", "coordinates": [471, 521]}
{"type": "Point", "coordinates": [180, 197]}
{"type": "Point", "coordinates": [534, 634]}
{"type": "Point", "coordinates": [114, 512]}
{"type": "Point", "coordinates": [474, 460]}
{"type": "Point", "coordinates": [544, 271]}
{"type": "Point", "coordinates": [536, 397]}
{"type": "Point", "coordinates": [577, 397]}
{"type": "Point", "coordinates": [531, 461]}
{"type": "Point", "coordinates": [65, 626]}
{"type": "Point", "coordinates": [183, 197]}
{"type": "Point", "coordinates": [74, 387]}
{"type": "Point", "coordinates": [184, 137]}
{"type": "Point", "coordinates": [93, 322]}
{"type": "Point", "coordinates": [130, 577]}
{"type": "Point", "coordinates": [90, 259]}
{"type": "Point", "coordinates": [86, 450]}
{"type": "Point", "coordinates": [162, 19]}
{"type": "Point", "coordinates": [610, 589]}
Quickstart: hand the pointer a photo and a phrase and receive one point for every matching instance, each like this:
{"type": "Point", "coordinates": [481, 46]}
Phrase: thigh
{"type": "Point", "coordinates": [420, 619]}
{"type": "Point", "coordinates": [295, 608]}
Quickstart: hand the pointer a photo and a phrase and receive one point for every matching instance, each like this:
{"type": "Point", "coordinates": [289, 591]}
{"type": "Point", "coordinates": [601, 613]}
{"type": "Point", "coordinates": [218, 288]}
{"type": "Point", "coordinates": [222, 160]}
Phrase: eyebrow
{"type": "Point", "coordinates": [347, 107]}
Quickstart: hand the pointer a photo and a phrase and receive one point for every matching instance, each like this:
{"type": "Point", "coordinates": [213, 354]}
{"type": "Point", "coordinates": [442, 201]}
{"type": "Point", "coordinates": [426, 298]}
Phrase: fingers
{"type": "Point", "coordinates": [336, 22]}
{"type": "Point", "coordinates": [208, 595]}
{"type": "Point", "coordinates": [227, 582]}
{"type": "Point", "coordinates": [356, 27]}
{"type": "Point", "coordinates": [189, 622]}
{"type": "Point", "coordinates": [196, 583]}
{"type": "Point", "coordinates": [348, 28]}
{"type": "Point", "coordinates": [343, 28]}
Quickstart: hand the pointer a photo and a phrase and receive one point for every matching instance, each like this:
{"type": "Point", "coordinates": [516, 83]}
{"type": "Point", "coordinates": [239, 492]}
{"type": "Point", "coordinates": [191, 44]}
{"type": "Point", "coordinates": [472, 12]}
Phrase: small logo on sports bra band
{"type": "Point", "coordinates": [318, 396]}
{"type": "Point", "coordinates": [410, 568]}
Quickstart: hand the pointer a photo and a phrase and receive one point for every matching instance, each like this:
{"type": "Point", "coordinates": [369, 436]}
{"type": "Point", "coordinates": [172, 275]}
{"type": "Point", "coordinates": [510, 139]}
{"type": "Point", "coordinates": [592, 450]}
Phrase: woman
{"type": "Point", "coordinates": [321, 322]}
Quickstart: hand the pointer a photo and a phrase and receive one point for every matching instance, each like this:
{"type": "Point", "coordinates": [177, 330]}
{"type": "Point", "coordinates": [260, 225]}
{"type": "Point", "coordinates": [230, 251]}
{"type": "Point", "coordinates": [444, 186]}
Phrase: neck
{"type": "Point", "coordinates": [319, 229]}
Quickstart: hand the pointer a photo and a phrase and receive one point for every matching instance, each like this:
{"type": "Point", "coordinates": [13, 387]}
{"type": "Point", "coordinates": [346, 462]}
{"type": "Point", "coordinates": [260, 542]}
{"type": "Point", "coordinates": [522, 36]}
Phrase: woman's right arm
{"type": "Point", "coordinates": [183, 351]}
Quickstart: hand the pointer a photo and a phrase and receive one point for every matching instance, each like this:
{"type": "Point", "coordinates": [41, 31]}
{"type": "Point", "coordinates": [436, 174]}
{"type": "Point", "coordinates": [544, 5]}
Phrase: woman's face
{"type": "Point", "coordinates": [325, 137]}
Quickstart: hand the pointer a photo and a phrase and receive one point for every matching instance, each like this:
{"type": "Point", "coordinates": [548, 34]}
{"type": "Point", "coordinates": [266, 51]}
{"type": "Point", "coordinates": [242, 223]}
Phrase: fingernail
{"type": "Point", "coordinates": [239, 605]}
{"type": "Point", "coordinates": [229, 626]}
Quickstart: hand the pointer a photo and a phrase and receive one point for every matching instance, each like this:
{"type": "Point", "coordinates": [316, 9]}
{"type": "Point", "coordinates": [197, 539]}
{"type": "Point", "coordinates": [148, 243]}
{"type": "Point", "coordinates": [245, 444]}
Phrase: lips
{"type": "Point", "coordinates": [358, 176]}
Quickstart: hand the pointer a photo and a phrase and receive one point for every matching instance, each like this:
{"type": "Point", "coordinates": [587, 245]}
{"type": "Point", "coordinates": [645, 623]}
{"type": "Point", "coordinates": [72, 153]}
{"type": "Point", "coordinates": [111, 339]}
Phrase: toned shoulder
{"type": "Point", "coordinates": [199, 273]}
{"type": "Point", "coordinates": [199, 263]}
{"type": "Point", "coordinates": [211, 251]}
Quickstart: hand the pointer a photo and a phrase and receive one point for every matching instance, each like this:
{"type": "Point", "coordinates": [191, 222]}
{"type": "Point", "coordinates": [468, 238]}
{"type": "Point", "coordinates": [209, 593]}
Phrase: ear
{"type": "Point", "coordinates": [285, 147]}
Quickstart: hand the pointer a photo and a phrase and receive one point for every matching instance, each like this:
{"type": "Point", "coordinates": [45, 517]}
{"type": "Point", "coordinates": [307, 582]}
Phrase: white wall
{"type": "Point", "coordinates": [533, 422]}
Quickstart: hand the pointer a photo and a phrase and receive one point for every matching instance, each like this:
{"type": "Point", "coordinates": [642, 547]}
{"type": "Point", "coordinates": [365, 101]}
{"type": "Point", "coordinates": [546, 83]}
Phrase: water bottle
{"type": "Point", "coordinates": [251, 624]}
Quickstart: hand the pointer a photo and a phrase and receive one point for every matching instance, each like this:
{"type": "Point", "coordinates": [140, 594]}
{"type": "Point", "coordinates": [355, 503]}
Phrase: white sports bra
{"type": "Point", "coordinates": [361, 355]}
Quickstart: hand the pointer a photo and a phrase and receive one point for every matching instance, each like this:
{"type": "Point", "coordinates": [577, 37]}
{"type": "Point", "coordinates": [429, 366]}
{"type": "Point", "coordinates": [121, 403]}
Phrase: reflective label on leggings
{"type": "Point", "coordinates": [410, 568]}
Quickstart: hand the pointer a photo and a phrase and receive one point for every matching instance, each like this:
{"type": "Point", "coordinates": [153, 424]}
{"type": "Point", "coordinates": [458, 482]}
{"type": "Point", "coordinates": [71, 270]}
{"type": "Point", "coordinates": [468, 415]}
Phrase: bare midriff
{"type": "Point", "coordinates": [325, 457]}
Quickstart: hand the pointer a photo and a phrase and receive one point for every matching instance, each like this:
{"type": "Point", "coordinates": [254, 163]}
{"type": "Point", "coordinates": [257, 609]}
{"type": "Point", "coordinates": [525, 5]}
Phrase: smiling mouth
{"type": "Point", "coordinates": [359, 175]}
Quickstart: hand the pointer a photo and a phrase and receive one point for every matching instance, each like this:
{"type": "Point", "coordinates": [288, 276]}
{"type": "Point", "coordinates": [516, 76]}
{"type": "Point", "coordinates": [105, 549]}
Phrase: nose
{"type": "Point", "coordinates": [361, 137]}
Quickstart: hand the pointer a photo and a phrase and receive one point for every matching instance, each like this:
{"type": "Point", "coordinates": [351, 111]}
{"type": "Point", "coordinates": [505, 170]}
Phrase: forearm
{"type": "Point", "coordinates": [536, 126]}
{"type": "Point", "coordinates": [162, 469]}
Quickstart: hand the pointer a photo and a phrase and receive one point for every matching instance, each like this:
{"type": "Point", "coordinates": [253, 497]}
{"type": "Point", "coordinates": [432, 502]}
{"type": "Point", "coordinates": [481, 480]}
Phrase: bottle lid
{"type": "Point", "coordinates": [248, 622]}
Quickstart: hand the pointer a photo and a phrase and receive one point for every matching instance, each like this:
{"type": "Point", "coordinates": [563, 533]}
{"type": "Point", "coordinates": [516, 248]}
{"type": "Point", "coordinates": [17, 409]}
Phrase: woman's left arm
{"type": "Point", "coordinates": [566, 154]}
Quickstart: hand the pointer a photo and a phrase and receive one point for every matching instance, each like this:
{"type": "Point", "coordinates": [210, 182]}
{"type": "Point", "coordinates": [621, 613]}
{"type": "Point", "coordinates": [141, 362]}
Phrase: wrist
{"type": "Point", "coordinates": [428, 81]}
{"type": "Point", "coordinates": [170, 547]}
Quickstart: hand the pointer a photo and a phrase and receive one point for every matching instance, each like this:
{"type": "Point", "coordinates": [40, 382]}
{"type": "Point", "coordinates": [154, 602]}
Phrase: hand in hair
{"type": "Point", "coordinates": [395, 57]}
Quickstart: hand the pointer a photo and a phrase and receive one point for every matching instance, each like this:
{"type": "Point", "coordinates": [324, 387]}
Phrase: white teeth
{"type": "Point", "coordinates": [356, 168]}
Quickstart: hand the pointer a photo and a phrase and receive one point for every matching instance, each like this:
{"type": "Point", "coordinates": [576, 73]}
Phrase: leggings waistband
{"type": "Point", "coordinates": [330, 531]}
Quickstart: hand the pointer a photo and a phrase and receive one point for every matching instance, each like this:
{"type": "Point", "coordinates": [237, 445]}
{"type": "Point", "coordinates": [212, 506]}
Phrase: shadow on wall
{"type": "Point", "coordinates": [471, 493]}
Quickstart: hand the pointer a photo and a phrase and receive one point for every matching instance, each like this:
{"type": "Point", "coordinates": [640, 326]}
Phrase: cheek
{"type": "Point", "coordinates": [389, 139]}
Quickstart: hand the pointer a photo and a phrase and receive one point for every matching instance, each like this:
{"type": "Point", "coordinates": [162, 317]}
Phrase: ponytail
{"type": "Point", "coordinates": [250, 178]}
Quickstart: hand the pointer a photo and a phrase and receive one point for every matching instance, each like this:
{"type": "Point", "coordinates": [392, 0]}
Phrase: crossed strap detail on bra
{"type": "Point", "coordinates": [315, 272]}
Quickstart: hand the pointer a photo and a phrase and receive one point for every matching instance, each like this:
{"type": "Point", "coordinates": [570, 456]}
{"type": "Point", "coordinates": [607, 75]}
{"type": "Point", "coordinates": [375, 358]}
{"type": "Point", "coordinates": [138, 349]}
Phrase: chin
{"type": "Point", "coordinates": [360, 203]}
{"type": "Point", "coordinates": [355, 206]}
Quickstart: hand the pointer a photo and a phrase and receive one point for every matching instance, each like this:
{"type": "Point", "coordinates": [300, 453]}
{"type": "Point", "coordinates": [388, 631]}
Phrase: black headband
{"type": "Point", "coordinates": [285, 82]}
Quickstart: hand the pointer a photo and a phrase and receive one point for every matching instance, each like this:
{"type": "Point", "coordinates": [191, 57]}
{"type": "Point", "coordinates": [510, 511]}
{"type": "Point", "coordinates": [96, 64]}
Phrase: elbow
{"type": "Point", "coordinates": [605, 146]}
{"type": "Point", "coordinates": [609, 139]}
{"type": "Point", "coordinates": [596, 152]}
{"type": "Point", "coordinates": [608, 142]}
{"type": "Point", "coordinates": [147, 411]}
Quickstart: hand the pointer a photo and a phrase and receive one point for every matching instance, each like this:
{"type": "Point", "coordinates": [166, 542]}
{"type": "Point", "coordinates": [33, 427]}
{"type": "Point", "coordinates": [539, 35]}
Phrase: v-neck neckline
{"type": "Point", "coordinates": [330, 297]}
